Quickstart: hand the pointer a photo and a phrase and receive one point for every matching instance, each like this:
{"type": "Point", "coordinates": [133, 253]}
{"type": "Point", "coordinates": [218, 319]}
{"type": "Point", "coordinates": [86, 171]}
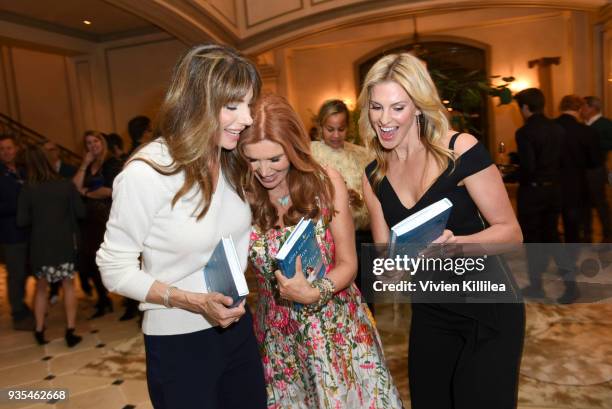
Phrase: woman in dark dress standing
{"type": "Point", "coordinates": [460, 355]}
{"type": "Point", "coordinates": [50, 205]}
{"type": "Point", "coordinates": [94, 180]}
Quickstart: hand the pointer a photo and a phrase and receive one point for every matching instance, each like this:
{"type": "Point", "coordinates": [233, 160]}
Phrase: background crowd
{"type": "Point", "coordinates": [51, 209]}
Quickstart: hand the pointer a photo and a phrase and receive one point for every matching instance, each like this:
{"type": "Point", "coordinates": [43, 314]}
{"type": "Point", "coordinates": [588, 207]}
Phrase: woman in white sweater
{"type": "Point", "coordinates": [175, 199]}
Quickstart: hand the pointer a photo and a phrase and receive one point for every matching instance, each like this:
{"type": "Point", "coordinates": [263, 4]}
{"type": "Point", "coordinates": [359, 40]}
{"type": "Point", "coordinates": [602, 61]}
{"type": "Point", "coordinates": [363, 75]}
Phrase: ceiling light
{"type": "Point", "coordinates": [87, 22]}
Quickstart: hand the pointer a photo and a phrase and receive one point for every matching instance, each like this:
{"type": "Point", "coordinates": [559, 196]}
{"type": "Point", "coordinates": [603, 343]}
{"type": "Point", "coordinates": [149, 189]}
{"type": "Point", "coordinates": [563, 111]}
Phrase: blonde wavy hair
{"type": "Point", "coordinates": [411, 74]}
{"type": "Point", "coordinates": [329, 108]}
{"type": "Point", "coordinates": [206, 78]}
{"type": "Point", "coordinates": [104, 155]}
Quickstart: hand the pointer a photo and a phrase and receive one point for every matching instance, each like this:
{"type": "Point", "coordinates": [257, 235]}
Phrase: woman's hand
{"type": "Point", "coordinates": [447, 237]}
{"type": "Point", "coordinates": [297, 288]}
{"type": "Point", "coordinates": [87, 159]}
{"type": "Point", "coordinates": [214, 307]}
{"type": "Point", "coordinates": [447, 245]}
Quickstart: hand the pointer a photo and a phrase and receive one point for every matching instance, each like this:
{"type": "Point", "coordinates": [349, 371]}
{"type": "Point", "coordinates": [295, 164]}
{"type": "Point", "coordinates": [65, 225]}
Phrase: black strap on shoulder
{"type": "Point", "coordinates": [451, 144]}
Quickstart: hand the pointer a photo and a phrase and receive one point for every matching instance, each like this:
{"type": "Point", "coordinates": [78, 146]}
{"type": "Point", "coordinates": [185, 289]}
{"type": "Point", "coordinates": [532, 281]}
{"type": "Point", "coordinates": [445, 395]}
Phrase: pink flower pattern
{"type": "Point", "coordinates": [329, 359]}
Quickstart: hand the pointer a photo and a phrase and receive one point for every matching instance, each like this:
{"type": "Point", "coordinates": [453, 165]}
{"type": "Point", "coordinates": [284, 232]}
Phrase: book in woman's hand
{"type": "Point", "coordinates": [420, 228]}
{"type": "Point", "coordinates": [302, 242]}
{"type": "Point", "coordinates": [223, 273]}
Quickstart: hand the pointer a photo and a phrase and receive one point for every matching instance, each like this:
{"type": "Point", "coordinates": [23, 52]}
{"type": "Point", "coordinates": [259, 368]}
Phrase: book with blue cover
{"type": "Point", "coordinates": [302, 242]}
{"type": "Point", "coordinates": [223, 273]}
{"type": "Point", "coordinates": [422, 227]}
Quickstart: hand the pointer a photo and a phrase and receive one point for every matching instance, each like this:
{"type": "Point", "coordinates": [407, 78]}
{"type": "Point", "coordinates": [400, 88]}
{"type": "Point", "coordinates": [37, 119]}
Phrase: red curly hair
{"type": "Point", "coordinates": [310, 188]}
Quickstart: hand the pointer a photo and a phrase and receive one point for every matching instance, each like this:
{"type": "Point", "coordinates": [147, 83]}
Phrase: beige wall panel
{"type": "Point", "coordinates": [44, 100]}
{"type": "Point", "coordinates": [581, 39]}
{"type": "Point", "coordinates": [4, 90]}
{"type": "Point", "coordinates": [608, 73]}
{"type": "Point", "coordinates": [227, 8]}
{"type": "Point", "coordinates": [325, 73]}
{"type": "Point", "coordinates": [85, 95]}
{"type": "Point", "coordinates": [512, 46]}
{"type": "Point", "coordinates": [9, 91]}
{"type": "Point", "coordinates": [259, 11]}
{"type": "Point", "coordinates": [138, 76]}
{"type": "Point", "coordinates": [328, 72]}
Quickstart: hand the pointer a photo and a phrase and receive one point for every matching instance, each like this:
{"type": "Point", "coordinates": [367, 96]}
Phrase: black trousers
{"type": "Point", "coordinates": [597, 185]}
{"type": "Point", "coordinates": [455, 362]}
{"type": "Point", "coordinates": [210, 369]}
{"type": "Point", "coordinates": [538, 214]}
{"type": "Point", "coordinates": [16, 258]}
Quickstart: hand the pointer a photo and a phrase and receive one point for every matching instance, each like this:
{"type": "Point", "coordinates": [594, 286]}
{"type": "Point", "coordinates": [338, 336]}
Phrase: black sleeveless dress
{"type": "Point", "coordinates": [500, 326]}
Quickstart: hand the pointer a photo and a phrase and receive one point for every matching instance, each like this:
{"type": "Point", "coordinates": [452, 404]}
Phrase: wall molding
{"type": "Point", "coordinates": [109, 72]}
{"type": "Point", "coordinates": [351, 15]}
{"type": "Point", "coordinates": [260, 22]}
{"type": "Point", "coordinates": [234, 20]}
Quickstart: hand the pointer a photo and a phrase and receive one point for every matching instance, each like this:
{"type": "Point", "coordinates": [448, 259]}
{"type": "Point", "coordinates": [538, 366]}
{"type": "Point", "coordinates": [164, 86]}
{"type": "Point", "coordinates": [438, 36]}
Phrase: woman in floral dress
{"type": "Point", "coordinates": [326, 354]}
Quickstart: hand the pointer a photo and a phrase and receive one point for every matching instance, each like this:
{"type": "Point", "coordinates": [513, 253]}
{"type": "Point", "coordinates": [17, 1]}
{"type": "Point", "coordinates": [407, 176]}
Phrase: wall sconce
{"type": "Point", "coordinates": [350, 103]}
{"type": "Point", "coordinates": [518, 85]}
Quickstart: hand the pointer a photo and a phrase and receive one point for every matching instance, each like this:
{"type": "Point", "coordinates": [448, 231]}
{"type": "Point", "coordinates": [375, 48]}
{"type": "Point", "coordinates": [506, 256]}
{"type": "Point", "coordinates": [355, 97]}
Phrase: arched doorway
{"type": "Point", "coordinates": [460, 73]}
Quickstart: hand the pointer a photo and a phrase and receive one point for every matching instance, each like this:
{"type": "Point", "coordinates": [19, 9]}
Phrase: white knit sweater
{"type": "Point", "coordinates": [174, 245]}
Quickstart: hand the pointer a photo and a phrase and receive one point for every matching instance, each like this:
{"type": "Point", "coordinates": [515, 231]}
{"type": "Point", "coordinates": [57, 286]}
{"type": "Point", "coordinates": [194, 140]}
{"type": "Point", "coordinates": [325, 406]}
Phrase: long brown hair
{"type": "Point", "coordinates": [206, 78]}
{"type": "Point", "coordinates": [310, 188]}
{"type": "Point", "coordinates": [37, 165]}
{"type": "Point", "coordinates": [411, 74]}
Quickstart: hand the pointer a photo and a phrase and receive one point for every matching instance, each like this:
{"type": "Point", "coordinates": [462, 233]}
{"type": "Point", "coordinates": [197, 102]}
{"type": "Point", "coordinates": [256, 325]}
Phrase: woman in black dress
{"type": "Point", "coordinates": [94, 180]}
{"type": "Point", "coordinates": [460, 355]}
{"type": "Point", "coordinates": [50, 205]}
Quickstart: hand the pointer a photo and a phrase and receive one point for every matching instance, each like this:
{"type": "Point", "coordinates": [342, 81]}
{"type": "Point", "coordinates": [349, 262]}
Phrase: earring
{"type": "Point", "coordinates": [418, 121]}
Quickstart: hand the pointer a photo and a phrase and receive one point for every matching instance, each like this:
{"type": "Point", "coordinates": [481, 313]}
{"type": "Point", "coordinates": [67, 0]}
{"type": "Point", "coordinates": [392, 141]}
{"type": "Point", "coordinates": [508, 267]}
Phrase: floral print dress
{"type": "Point", "coordinates": [332, 358]}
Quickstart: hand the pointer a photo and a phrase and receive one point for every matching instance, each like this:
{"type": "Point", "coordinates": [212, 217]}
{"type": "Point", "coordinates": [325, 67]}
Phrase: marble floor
{"type": "Point", "coordinates": [567, 362]}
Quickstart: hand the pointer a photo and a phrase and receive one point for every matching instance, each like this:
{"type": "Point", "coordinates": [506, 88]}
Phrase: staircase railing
{"type": "Point", "coordinates": [27, 136]}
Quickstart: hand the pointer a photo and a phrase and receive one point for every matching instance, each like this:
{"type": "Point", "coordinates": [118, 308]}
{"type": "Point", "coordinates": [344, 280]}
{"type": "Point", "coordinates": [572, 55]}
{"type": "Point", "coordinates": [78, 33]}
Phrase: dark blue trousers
{"type": "Point", "coordinates": [210, 369]}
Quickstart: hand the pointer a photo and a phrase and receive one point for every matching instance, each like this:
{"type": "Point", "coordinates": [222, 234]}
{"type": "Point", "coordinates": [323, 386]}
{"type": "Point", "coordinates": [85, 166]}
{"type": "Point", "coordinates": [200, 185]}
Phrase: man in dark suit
{"type": "Point", "coordinates": [580, 154]}
{"type": "Point", "coordinates": [140, 131]}
{"type": "Point", "coordinates": [53, 156]}
{"type": "Point", "coordinates": [598, 177]}
{"type": "Point", "coordinates": [592, 115]}
{"type": "Point", "coordinates": [14, 240]}
{"type": "Point", "coordinates": [540, 142]}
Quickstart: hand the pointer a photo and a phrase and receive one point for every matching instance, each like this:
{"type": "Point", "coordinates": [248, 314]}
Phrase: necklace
{"type": "Point", "coordinates": [283, 200]}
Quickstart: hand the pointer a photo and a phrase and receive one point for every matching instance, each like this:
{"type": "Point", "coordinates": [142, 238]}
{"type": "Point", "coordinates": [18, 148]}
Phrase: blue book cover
{"type": "Point", "coordinates": [421, 228]}
{"type": "Point", "coordinates": [223, 273]}
{"type": "Point", "coordinates": [302, 242]}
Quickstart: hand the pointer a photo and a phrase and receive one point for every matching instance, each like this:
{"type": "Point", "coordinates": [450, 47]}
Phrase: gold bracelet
{"type": "Point", "coordinates": [327, 289]}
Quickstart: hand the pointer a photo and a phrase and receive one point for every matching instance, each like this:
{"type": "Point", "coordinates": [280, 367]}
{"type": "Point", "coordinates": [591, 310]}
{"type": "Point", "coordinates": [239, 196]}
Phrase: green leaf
{"type": "Point", "coordinates": [505, 96]}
